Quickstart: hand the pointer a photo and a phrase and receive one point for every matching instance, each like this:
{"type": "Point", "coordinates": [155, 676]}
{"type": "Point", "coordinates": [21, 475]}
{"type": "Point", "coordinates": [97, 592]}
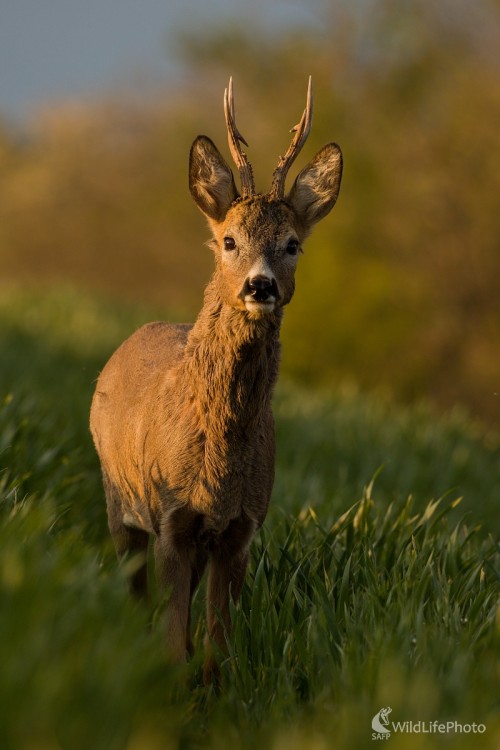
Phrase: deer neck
{"type": "Point", "coordinates": [228, 371]}
{"type": "Point", "coordinates": [232, 363]}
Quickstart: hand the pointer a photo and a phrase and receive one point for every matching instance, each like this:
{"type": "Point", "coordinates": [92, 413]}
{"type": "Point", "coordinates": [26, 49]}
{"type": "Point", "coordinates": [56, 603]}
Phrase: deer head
{"type": "Point", "coordinates": [258, 237]}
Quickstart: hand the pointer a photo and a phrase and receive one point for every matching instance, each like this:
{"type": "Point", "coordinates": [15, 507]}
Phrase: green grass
{"type": "Point", "coordinates": [369, 585]}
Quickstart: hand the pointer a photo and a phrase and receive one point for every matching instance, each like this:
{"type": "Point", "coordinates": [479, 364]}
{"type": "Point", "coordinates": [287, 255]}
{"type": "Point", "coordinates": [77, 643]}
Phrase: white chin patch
{"type": "Point", "coordinates": [260, 307]}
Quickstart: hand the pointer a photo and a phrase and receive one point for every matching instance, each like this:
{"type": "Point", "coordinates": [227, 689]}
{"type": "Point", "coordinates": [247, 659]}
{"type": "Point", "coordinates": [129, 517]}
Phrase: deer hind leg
{"type": "Point", "coordinates": [129, 542]}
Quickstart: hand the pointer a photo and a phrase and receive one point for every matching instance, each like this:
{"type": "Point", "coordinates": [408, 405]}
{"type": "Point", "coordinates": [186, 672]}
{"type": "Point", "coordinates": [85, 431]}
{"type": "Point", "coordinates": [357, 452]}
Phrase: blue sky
{"type": "Point", "coordinates": [51, 50]}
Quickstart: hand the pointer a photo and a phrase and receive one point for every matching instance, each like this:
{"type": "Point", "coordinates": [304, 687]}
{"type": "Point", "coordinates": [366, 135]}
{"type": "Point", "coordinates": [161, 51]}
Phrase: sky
{"type": "Point", "coordinates": [52, 50]}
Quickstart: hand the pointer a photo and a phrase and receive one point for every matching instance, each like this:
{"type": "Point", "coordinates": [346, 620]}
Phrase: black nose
{"type": "Point", "coordinates": [261, 288]}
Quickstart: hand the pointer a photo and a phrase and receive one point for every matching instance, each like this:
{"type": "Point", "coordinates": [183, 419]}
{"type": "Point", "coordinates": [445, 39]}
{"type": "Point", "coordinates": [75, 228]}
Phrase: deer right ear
{"type": "Point", "coordinates": [211, 181]}
{"type": "Point", "coordinates": [316, 188]}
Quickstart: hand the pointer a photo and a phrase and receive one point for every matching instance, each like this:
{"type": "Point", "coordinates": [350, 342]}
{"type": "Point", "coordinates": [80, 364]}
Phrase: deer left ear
{"type": "Point", "coordinates": [317, 186]}
{"type": "Point", "coordinates": [211, 181]}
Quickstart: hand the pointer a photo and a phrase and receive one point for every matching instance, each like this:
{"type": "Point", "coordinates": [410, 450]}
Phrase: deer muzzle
{"type": "Point", "coordinates": [260, 294]}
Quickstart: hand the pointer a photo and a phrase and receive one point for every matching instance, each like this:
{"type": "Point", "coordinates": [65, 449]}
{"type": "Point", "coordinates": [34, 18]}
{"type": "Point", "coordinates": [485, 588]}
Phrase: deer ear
{"type": "Point", "coordinates": [316, 188]}
{"type": "Point", "coordinates": [211, 181]}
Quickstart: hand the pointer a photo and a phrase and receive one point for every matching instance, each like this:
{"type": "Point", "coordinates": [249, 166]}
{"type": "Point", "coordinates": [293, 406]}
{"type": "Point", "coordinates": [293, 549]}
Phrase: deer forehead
{"type": "Point", "coordinates": [258, 223]}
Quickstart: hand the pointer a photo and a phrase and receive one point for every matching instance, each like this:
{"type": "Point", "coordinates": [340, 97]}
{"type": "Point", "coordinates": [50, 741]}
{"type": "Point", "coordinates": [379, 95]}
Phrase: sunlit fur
{"type": "Point", "coordinates": [181, 416]}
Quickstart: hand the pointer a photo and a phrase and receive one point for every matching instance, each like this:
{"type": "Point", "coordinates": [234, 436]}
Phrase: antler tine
{"type": "Point", "coordinates": [234, 138]}
{"type": "Point", "coordinates": [301, 131]}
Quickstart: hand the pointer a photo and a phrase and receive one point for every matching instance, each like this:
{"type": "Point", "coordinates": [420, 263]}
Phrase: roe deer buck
{"type": "Point", "coordinates": [181, 416]}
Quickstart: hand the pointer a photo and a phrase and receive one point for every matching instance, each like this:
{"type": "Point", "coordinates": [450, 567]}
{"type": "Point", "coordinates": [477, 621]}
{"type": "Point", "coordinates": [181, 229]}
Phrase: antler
{"type": "Point", "coordinates": [301, 131]}
{"type": "Point", "coordinates": [234, 138]}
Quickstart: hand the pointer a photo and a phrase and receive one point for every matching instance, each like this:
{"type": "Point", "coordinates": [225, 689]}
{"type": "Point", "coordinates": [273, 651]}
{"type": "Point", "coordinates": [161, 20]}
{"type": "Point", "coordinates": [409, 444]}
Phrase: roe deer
{"type": "Point", "coordinates": [181, 417]}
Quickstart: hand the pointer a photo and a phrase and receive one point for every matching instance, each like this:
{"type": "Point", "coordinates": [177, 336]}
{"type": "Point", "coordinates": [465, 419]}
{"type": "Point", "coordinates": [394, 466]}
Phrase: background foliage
{"type": "Point", "coordinates": [397, 289]}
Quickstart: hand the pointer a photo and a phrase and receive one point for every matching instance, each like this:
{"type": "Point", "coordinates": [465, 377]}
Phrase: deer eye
{"type": "Point", "coordinates": [293, 247]}
{"type": "Point", "coordinates": [229, 243]}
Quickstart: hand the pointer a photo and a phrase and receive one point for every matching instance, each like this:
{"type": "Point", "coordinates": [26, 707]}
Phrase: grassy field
{"type": "Point", "coordinates": [370, 585]}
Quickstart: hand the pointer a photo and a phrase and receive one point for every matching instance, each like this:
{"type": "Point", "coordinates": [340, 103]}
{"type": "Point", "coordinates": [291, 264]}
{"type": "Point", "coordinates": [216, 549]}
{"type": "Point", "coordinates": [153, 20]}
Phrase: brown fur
{"type": "Point", "coordinates": [181, 416]}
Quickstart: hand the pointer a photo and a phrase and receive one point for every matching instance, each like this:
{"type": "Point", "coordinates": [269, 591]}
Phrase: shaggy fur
{"type": "Point", "coordinates": [181, 416]}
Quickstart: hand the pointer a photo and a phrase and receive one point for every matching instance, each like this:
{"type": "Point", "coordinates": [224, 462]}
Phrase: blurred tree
{"type": "Point", "coordinates": [399, 288]}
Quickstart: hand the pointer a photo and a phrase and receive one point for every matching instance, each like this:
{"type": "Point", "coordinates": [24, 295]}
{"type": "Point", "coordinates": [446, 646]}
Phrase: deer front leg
{"type": "Point", "coordinates": [173, 572]}
{"type": "Point", "coordinates": [225, 579]}
{"type": "Point", "coordinates": [198, 565]}
{"type": "Point", "coordinates": [227, 568]}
